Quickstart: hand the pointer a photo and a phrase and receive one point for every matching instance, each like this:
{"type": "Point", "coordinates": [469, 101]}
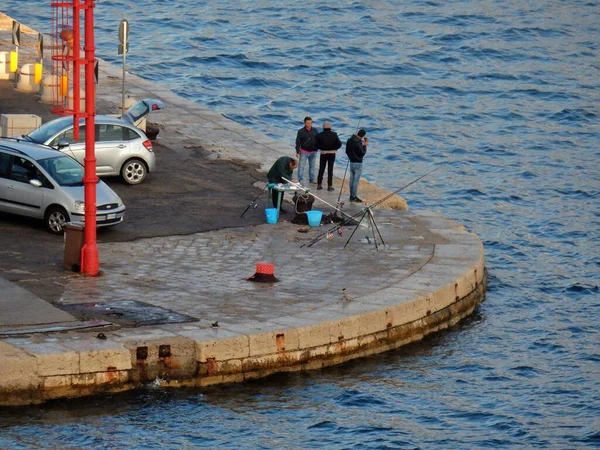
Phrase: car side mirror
{"type": "Point", "coordinates": [62, 144]}
{"type": "Point", "coordinates": [36, 183]}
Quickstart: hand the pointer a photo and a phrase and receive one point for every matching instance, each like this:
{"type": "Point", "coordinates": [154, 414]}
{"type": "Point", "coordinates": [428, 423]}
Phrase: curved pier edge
{"type": "Point", "coordinates": [181, 361]}
{"type": "Point", "coordinates": [213, 372]}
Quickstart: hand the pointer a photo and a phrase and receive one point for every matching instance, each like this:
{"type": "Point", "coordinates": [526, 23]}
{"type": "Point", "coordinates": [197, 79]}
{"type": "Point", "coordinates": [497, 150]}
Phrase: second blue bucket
{"type": "Point", "coordinates": [271, 214]}
{"type": "Point", "coordinates": [314, 218]}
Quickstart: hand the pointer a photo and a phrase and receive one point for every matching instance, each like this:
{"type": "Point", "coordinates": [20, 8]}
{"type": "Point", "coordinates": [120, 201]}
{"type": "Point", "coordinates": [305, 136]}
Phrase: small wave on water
{"type": "Point", "coordinates": [581, 115]}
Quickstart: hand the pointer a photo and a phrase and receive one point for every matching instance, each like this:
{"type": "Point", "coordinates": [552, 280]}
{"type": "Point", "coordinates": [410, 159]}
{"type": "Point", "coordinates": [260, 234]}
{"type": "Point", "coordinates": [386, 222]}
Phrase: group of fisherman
{"type": "Point", "coordinates": [308, 143]}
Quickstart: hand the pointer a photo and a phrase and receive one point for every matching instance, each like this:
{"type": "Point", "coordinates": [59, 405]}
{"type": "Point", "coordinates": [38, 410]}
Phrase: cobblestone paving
{"type": "Point", "coordinates": [204, 275]}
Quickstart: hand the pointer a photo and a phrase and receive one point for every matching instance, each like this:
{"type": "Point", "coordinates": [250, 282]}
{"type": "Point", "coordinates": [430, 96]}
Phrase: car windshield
{"type": "Point", "coordinates": [49, 129]}
{"type": "Point", "coordinates": [64, 170]}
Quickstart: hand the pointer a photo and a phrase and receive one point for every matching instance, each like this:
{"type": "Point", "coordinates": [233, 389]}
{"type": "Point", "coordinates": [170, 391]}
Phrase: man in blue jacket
{"type": "Point", "coordinates": [356, 150]}
{"type": "Point", "coordinates": [306, 150]}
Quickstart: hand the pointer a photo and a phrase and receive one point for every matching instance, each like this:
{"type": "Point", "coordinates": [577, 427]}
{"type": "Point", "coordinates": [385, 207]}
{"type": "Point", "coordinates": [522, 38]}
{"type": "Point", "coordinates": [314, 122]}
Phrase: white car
{"type": "Point", "coordinates": [37, 181]}
{"type": "Point", "coordinates": [121, 148]}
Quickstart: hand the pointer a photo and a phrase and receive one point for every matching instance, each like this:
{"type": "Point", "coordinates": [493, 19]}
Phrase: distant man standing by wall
{"type": "Point", "coordinates": [356, 150]}
{"type": "Point", "coordinates": [283, 168]}
{"type": "Point", "coordinates": [306, 150]}
{"type": "Point", "coordinates": [328, 142]}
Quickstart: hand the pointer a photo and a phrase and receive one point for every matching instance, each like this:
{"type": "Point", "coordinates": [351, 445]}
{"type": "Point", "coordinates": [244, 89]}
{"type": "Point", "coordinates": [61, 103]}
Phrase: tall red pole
{"type": "Point", "coordinates": [74, 52]}
{"type": "Point", "coordinates": [89, 253]}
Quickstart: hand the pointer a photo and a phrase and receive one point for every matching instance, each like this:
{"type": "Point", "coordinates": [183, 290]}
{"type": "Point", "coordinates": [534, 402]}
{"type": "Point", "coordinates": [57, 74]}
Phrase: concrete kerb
{"type": "Point", "coordinates": [422, 299]}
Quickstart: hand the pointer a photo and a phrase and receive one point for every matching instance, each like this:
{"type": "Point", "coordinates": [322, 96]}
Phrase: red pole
{"type": "Point", "coordinates": [89, 253]}
{"type": "Point", "coordinates": [74, 53]}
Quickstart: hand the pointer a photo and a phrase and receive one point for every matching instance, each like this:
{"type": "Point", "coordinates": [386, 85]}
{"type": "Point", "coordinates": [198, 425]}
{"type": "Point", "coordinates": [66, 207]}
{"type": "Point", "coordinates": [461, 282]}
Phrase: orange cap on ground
{"type": "Point", "coordinates": [265, 269]}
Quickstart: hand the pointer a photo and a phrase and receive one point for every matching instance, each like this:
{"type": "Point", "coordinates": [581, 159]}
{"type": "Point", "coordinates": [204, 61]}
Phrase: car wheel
{"type": "Point", "coordinates": [56, 218]}
{"type": "Point", "coordinates": [134, 171]}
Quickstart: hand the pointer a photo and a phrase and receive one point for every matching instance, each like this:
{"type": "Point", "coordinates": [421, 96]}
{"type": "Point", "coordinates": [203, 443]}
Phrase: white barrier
{"type": "Point", "coordinates": [5, 73]}
{"type": "Point", "coordinates": [26, 81]}
{"type": "Point", "coordinates": [14, 125]}
{"type": "Point", "coordinates": [51, 92]}
{"type": "Point", "coordinates": [71, 99]}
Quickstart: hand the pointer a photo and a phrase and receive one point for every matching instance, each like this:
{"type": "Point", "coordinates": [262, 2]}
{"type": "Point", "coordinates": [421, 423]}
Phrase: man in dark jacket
{"type": "Point", "coordinates": [283, 168]}
{"type": "Point", "coordinates": [356, 150]}
{"type": "Point", "coordinates": [328, 142]}
{"type": "Point", "coordinates": [306, 150]}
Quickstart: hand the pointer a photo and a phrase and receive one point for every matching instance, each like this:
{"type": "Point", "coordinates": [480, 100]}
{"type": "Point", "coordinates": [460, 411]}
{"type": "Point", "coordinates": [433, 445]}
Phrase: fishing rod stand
{"type": "Point", "coordinates": [368, 214]}
{"type": "Point", "coordinates": [362, 214]}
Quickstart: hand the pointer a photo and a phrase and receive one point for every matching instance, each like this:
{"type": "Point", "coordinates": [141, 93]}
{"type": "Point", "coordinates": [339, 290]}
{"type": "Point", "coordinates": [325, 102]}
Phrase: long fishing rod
{"type": "Point", "coordinates": [348, 162]}
{"type": "Point", "coordinates": [343, 180]}
{"type": "Point", "coordinates": [252, 203]}
{"type": "Point", "coordinates": [371, 206]}
{"type": "Point", "coordinates": [360, 118]}
{"type": "Point", "coordinates": [380, 201]}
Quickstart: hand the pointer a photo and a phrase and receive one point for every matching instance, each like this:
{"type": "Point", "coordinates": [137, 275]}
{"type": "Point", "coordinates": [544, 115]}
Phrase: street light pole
{"type": "Point", "coordinates": [89, 253]}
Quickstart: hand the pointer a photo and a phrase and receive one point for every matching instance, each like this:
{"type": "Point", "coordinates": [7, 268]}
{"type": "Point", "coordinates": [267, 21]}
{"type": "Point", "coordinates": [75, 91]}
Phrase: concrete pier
{"type": "Point", "coordinates": [202, 321]}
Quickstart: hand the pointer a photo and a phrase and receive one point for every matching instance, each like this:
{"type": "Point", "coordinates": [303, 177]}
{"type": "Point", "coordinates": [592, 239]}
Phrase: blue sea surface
{"type": "Point", "coordinates": [506, 96]}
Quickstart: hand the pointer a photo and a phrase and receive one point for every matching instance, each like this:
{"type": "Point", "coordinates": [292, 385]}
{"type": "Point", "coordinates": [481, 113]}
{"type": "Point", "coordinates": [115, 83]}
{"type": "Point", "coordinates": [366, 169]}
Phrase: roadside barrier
{"type": "Point", "coordinates": [27, 78]}
{"type": "Point", "coordinates": [5, 72]}
{"type": "Point", "coordinates": [51, 89]}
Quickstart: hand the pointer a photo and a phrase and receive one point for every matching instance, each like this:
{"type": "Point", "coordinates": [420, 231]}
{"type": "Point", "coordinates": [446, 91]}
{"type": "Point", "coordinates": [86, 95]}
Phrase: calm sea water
{"type": "Point", "coordinates": [506, 95]}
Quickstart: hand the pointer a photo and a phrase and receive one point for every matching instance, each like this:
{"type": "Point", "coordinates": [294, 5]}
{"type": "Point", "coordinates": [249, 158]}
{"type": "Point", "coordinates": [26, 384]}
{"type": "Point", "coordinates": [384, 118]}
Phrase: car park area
{"type": "Point", "coordinates": [189, 192]}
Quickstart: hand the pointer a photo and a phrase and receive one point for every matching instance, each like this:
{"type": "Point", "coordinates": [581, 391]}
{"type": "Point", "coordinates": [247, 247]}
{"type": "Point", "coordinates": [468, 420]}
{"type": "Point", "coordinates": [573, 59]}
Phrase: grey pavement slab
{"type": "Point", "coordinates": [19, 307]}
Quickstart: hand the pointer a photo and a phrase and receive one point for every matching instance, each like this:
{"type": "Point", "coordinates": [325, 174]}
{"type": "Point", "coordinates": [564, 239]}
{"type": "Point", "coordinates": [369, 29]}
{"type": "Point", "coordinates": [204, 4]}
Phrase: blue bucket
{"type": "Point", "coordinates": [314, 218]}
{"type": "Point", "coordinates": [271, 214]}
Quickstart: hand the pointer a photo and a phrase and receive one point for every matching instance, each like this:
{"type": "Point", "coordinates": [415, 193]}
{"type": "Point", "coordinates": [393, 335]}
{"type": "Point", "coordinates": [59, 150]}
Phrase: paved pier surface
{"type": "Point", "coordinates": [178, 310]}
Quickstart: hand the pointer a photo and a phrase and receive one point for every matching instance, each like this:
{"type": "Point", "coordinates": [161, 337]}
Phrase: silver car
{"type": "Point", "coordinates": [39, 182]}
{"type": "Point", "coordinates": [121, 148]}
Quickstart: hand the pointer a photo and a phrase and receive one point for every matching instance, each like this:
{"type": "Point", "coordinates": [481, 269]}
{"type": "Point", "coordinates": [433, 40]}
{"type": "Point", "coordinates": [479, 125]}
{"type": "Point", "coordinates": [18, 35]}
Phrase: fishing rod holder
{"type": "Point", "coordinates": [366, 210]}
{"type": "Point", "coordinates": [368, 213]}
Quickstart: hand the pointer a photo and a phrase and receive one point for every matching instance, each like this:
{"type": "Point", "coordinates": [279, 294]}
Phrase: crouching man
{"type": "Point", "coordinates": [283, 168]}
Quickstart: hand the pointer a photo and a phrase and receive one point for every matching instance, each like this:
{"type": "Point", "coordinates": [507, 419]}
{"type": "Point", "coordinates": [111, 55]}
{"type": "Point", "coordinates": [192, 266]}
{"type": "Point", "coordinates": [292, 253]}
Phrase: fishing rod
{"type": "Point", "coordinates": [360, 118]}
{"type": "Point", "coordinates": [302, 188]}
{"type": "Point", "coordinates": [342, 186]}
{"type": "Point", "coordinates": [379, 202]}
{"type": "Point", "coordinates": [348, 162]}
{"type": "Point", "coordinates": [253, 203]}
{"type": "Point", "coordinates": [371, 206]}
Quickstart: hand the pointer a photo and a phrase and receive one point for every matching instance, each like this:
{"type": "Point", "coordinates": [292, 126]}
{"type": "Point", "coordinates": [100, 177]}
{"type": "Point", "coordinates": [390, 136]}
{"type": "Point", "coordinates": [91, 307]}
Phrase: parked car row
{"type": "Point", "coordinates": [41, 174]}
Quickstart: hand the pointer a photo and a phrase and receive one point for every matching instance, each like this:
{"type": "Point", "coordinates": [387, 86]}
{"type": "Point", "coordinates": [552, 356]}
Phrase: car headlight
{"type": "Point", "coordinates": [119, 203]}
{"type": "Point", "coordinates": [79, 206]}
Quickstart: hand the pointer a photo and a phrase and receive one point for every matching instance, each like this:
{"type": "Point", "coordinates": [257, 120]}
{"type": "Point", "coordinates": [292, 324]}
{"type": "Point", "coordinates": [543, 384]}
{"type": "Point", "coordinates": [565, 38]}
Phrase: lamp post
{"type": "Point", "coordinates": [89, 253]}
{"type": "Point", "coordinates": [68, 29]}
